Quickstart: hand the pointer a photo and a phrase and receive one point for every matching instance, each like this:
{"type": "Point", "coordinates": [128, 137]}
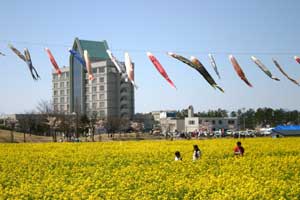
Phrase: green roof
{"type": "Point", "coordinates": [96, 49]}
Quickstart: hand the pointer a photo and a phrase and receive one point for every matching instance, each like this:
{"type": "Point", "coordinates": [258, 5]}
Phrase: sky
{"type": "Point", "coordinates": [266, 29]}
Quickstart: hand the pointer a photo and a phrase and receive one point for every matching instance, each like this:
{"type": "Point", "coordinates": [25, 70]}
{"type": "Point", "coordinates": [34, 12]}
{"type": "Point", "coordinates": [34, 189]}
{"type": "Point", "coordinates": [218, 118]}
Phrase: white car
{"type": "Point", "coordinates": [266, 131]}
{"type": "Point", "coordinates": [229, 132]}
{"type": "Point", "coordinates": [218, 133]}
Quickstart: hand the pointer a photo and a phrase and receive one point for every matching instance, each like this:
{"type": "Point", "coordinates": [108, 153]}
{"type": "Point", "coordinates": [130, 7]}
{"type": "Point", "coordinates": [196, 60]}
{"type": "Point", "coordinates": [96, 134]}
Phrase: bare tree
{"type": "Point", "coordinates": [24, 126]}
{"type": "Point", "coordinates": [93, 121]}
{"type": "Point", "coordinates": [12, 124]}
{"type": "Point", "coordinates": [137, 126]}
{"type": "Point", "coordinates": [101, 126]}
{"type": "Point", "coordinates": [45, 107]}
{"type": "Point", "coordinates": [65, 125]}
{"type": "Point", "coordinates": [52, 122]}
{"type": "Point", "coordinates": [112, 125]}
{"type": "Point", "coordinates": [84, 125]}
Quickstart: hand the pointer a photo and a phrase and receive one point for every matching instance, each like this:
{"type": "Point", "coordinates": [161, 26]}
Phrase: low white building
{"type": "Point", "coordinates": [210, 124]}
{"type": "Point", "coordinates": [172, 125]}
{"type": "Point", "coordinates": [158, 115]}
{"type": "Point", "coordinates": [169, 122]}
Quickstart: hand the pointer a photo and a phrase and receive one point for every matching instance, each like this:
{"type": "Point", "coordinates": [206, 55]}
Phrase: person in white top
{"type": "Point", "coordinates": [177, 156]}
{"type": "Point", "coordinates": [197, 153]}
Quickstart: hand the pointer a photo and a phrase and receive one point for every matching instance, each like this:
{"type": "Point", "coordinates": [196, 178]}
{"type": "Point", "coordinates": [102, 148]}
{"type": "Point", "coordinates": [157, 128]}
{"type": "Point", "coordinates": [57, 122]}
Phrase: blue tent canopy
{"type": "Point", "coordinates": [290, 130]}
{"type": "Point", "coordinates": [287, 128]}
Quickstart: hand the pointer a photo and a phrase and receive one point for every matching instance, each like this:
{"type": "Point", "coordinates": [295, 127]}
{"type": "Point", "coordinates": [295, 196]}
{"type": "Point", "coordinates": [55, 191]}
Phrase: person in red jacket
{"type": "Point", "coordinates": [239, 150]}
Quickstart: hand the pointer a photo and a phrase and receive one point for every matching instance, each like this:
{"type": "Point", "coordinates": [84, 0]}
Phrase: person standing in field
{"type": "Point", "coordinates": [238, 149]}
{"type": "Point", "coordinates": [197, 153]}
{"type": "Point", "coordinates": [177, 156]}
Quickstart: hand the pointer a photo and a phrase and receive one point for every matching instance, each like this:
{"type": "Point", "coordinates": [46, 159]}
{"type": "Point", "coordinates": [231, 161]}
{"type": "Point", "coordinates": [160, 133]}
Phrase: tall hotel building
{"type": "Point", "coordinates": [107, 95]}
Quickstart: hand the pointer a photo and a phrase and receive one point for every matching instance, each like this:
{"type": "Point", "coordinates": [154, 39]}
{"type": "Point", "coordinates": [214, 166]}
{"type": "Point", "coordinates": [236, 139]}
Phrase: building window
{"type": "Point", "coordinates": [123, 90]}
{"type": "Point", "coordinates": [62, 92]}
{"type": "Point", "coordinates": [94, 105]}
{"type": "Point", "coordinates": [94, 70]}
{"type": "Point", "coordinates": [124, 106]}
{"type": "Point", "coordinates": [213, 122]}
{"type": "Point", "coordinates": [55, 100]}
{"type": "Point", "coordinates": [102, 113]}
{"type": "Point", "coordinates": [87, 97]}
{"type": "Point", "coordinates": [220, 122]}
{"type": "Point", "coordinates": [101, 96]}
{"type": "Point", "coordinates": [101, 79]}
{"type": "Point", "coordinates": [61, 108]}
{"type": "Point", "coordinates": [94, 97]}
{"type": "Point", "coordinates": [230, 121]}
{"type": "Point", "coordinates": [101, 87]}
{"type": "Point", "coordinates": [68, 83]}
{"type": "Point", "coordinates": [55, 85]}
{"type": "Point", "coordinates": [87, 106]}
{"type": "Point", "coordinates": [68, 107]}
{"type": "Point", "coordinates": [55, 107]}
{"type": "Point", "coordinates": [101, 70]}
{"type": "Point", "coordinates": [55, 93]}
{"type": "Point", "coordinates": [191, 122]}
{"type": "Point", "coordinates": [113, 70]}
{"type": "Point", "coordinates": [62, 100]}
{"type": "Point", "coordinates": [94, 89]}
{"type": "Point", "coordinates": [68, 91]}
{"type": "Point", "coordinates": [68, 99]}
{"type": "Point", "coordinates": [62, 84]}
{"type": "Point", "coordinates": [102, 104]}
{"type": "Point", "coordinates": [124, 99]}
{"type": "Point", "coordinates": [67, 74]}
{"type": "Point", "coordinates": [124, 114]}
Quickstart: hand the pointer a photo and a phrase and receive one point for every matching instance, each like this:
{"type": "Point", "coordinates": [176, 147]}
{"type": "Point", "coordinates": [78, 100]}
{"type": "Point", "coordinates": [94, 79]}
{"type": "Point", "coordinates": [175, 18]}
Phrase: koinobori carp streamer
{"type": "Point", "coordinates": [239, 70]}
{"type": "Point", "coordinates": [160, 68]}
{"type": "Point", "coordinates": [53, 61]}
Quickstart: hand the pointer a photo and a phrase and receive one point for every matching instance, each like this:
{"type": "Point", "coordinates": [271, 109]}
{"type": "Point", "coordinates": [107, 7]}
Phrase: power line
{"type": "Point", "coordinates": [45, 44]}
{"type": "Point", "coordinates": [34, 43]}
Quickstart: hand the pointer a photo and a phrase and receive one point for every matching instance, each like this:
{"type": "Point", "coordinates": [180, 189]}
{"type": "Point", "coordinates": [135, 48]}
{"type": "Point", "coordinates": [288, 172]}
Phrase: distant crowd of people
{"type": "Point", "coordinates": [237, 151]}
{"type": "Point", "coordinates": [214, 134]}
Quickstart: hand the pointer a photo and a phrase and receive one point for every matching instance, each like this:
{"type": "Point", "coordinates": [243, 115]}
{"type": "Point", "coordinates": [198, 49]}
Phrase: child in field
{"type": "Point", "coordinates": [239, 150]}
{"type": "Point", "coordinates": [177, 156]}
{"type": "Point", "coordinates": [197, 153]}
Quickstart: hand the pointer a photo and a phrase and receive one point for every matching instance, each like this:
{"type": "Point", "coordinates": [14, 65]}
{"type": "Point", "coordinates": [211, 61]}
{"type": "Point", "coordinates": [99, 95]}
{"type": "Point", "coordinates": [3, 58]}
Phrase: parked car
{"type": "Point", "coordinates": [229, 132]}
{"type": "Point", "coordinates": [218, 133]}
{"type": "Point", "coordinates": [250, 133]}
{"type": "Point", "coordinates": [265, 131]}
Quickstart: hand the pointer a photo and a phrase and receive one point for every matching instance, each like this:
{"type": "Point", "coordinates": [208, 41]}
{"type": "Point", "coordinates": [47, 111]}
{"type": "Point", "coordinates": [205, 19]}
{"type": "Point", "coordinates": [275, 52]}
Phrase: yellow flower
{"type": "Point", "coordinates": [270, 169]}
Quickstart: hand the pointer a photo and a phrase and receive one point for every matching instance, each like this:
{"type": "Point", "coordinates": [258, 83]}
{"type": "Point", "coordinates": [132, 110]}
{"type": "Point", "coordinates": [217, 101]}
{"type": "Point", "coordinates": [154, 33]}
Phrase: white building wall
{"type": "Point", "coordinates": [191, 124]}
{"type": "Point", "coordinates": [61, 90]}
{"type": "Point", "coordinates": [172, 125]}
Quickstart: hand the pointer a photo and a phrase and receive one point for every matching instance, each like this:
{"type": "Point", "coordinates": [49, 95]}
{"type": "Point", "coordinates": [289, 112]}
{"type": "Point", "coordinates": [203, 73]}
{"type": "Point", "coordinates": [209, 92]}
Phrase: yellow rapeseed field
{"type": "Point", "coordinates": [270, 169]}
